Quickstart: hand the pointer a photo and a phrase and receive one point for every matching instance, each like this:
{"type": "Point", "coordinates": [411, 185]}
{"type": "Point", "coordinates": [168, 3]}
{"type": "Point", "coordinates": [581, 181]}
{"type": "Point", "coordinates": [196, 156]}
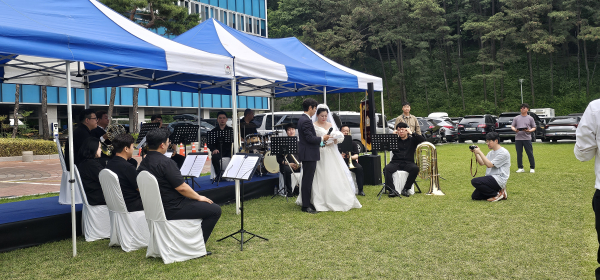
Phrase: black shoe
{"type": "Point", "coordinates": [289, 194]}
{"type": "Point", "coordinates": [309, 210]}
{"type": "Point", "coordinates": [361, 193]}
{"type": "Point", "coordinates": [391, 194]}
{"type": "Point", "coordinates": [405, 193]}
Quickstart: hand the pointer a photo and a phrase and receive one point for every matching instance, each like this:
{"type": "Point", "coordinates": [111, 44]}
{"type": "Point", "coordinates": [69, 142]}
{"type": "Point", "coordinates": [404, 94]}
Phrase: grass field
{"type": "Point", "coordinates": [545, 230]}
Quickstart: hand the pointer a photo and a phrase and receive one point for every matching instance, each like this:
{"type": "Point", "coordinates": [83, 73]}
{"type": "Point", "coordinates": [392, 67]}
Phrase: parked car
{"type": "Point", "coordinates": [503, 126]}
{"type": "Point", "coordinates": [447, 129]}
{"type": "Point", "coordinates": [456, 120]}
{"type": "Point", "coordinates": [214, 122]}
{"type": "Point", "coordinates": [475, 127]}
{"type": "Point", "coordinates": [438, 115]}
{"type": "Point", "coordinates": [429, 130]}
{"type": "Point", "coordinates": [562, 128]}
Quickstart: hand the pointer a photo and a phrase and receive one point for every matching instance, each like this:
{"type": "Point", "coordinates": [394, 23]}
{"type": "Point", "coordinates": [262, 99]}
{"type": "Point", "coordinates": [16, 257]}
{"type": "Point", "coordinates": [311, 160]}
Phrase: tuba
{"type": "Point", "coordinates": [112, 130]}
{"type": "Point", "coordinates": [426, 159]}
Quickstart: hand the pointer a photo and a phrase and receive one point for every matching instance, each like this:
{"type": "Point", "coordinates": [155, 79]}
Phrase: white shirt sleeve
{"type": "Point", "coordinates": [586, 144]}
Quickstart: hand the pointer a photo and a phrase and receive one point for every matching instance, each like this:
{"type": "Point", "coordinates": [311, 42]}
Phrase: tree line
{"type": "Point", "coordinates": [458, 56]}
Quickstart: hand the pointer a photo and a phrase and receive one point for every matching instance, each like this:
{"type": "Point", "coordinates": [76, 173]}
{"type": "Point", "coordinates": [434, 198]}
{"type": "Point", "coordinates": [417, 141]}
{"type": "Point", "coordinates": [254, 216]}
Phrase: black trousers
{"type": "Point", "coordinates": [360, 175]}
{"type": "Point", "coordinates": [191, 209]}
{"type": "Point", "coordinates": [307, 180]}
{"type": "Point", "coordinates": [596, 207]}
{"type": "Point", "coordinates": [485, 187]}
{"type": "Point", "coordinates": [287, 176]}
{"type": "Point", "coordinates": [393, 166]}
{"type": "Point", "coordinates": [519, 145]}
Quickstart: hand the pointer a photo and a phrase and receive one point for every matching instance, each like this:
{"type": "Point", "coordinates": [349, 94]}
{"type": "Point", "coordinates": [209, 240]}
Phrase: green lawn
{"type": "Point", "coordinates": [545, 230]}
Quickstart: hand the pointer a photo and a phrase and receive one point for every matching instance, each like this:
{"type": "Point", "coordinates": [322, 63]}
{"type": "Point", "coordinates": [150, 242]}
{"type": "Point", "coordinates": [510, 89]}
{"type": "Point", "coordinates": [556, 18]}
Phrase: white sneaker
{"type": "Point", "coordinates": [531, 171]}
{"type": "Point", "coordinates": [520, 170]}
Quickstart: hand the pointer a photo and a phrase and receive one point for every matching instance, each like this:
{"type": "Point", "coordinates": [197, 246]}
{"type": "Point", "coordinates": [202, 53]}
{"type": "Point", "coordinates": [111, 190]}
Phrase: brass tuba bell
{"type": "Point", "coordinates": [350, 165]}
{"type": "Point", "coordinates": [112, 130]}
{"type": "Point", "coordinates": [426, 159]}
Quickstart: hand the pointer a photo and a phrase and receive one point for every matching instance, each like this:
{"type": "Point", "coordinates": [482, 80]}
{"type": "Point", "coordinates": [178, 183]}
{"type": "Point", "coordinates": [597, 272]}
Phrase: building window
{"type": "Point", "coordinates": [257, 30]}
{"type": "Point", "coordinates": [249, 30]}
{"type": "Point", "coordinates": [263, 30]}
{"type": "Point", "coordinates": [242, 26]}
{"type": "Point", "coordinates": [224, 17]}
{"type": "Point", "coordinates": [206, 13]}
{"type": "Point", "coordinates": [197, 9]}
{"type": "Point", "coordinates": [212, 12]}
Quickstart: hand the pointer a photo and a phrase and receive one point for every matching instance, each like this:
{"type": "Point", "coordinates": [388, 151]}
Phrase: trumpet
{"type": "Point", "coordinates": [350, 165]}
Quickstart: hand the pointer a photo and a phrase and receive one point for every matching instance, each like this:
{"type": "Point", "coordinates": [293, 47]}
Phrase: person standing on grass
{"type": "Point", "coordinates": [492, 186]}
{"type": "Point", "coordinates": [408, 119]}
{"type": "Point", "coordinates": [524, 125]}
{"type": "Point", "coordinates": [586, 147]}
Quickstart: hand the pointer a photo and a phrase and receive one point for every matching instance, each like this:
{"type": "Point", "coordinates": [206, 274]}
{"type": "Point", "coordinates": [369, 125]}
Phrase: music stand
{"type": "Point", "coordinates": [144, 129]}
{"type": "Point", "coordinates": [241, 167]}
{"type": "Point", "coordinates": [385, 142]}
{"type": "Point", "coordinates": [192, 167]}
{"type": "Point", "coordinates": [285, 145]}
{"type": "Point", "coordinates": [219, 137]}
{"type": "Point", "coordinates": [185, 134]}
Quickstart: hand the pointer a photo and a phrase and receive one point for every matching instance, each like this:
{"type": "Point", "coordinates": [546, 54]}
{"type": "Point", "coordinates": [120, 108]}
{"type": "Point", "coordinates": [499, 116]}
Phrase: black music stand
{"type": "Point", "coordinates": [185, 134]}
{"type": "Point", "coordinates": [194, 160]}
{"type": "Point", "coordinates": [385, 142]}
{"type": "Point", "coordinates": [219, 137]}
{"type": "Point", "coordinates": [144, 129]}
{"type": "Point", "coordinates": [241, 167]}
{"type": "Point", "coordinates": [285, 145]}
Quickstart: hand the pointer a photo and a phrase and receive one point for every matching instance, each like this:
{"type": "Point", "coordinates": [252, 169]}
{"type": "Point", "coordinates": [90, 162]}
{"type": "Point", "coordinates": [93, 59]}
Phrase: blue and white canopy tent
{"type": "Point", "coordinates": [42, 40]}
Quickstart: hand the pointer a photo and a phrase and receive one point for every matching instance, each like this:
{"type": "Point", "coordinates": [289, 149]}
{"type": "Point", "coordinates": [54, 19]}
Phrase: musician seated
{"type": "Point", "coordinates": [403, 159]}
{"type": "Point", "coordinates": [123, 148]}
{"type": "Point", "coordinates": [358, 169]}
{"type": "Point", "coordinates": [175, 156]}
{"type": "Point", "coordinates": [89, 170]}
{"type": "Point", "coordinates": [287, 170]}
{"type": "Point", "coordinates": [217, 153]}
{"type": "Point", "coordinates": [180, 201]}
{"type": "Point", "coordinates": [492, 186]}
{"type": "Point", "coordinates": [100, 133]}
{"type": "Point", "coordinates": [246, 125]}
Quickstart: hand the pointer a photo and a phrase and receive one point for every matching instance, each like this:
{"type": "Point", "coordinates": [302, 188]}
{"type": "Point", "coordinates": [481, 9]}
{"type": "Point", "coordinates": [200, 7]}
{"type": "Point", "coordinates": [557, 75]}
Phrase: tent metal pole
{"type": "Point", "coordinates": [236, 147]}
{"type": "Point", "coordinates": [199, 122]}
{"type": "Point", "coordinates": [325, 95]}
{"type": "Point", "coordinates": [383, 120]}
{"type": "Point", "coordinates": [86, 90]}
{"type": "Point", "coordinates": [273, 108]}
{"type": "Point", "coordinates": [71, 157]}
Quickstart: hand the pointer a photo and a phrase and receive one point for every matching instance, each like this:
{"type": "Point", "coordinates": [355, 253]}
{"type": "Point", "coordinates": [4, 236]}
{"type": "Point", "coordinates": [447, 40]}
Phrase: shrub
{"type": "Point", "coordinates": [14, 147]}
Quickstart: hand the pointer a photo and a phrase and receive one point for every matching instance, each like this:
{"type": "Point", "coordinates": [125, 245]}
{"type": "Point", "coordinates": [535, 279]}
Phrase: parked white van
{"type": "Point", "coordinates": [351, 119]}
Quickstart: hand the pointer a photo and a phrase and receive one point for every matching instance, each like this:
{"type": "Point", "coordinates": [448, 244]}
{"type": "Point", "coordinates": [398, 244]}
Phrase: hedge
{"type": "Point", "coordinates": [14, 147]}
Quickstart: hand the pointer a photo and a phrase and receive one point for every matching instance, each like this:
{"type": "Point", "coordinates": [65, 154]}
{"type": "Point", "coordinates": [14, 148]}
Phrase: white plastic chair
{"type": "Point", "coordinates": [224, 164]}
{"type": "Point", "coordinates": [65, 190]}
{"type": "Point", "coordinates": [175, 240]}
{"type": "Point", "coordinates": [128, 229]}
{"type": "Point", "coordinates": [95, 221]}
{"type": "Point", "coordinates": [294, 181]}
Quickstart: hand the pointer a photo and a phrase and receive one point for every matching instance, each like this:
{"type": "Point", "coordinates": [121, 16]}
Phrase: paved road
{"type": "Point", "coordinates": [38, 177]}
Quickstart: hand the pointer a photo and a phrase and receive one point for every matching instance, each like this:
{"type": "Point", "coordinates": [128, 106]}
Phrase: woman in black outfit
{"type": "Point", "coordinates": [89, 168]}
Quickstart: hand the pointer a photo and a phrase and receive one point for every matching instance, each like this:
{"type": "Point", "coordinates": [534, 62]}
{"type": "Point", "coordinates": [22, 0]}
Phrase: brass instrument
{"type": "Point", "coordinates": [426, 159]}
{"type": "Point", "coordinates": [296, 161]}
{"type": "Point", "coordinates": [350, 165]}
{"type": "Point", "coordinates": [112, 130]}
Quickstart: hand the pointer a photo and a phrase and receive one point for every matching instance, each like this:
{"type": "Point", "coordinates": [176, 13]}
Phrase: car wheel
{"type": "Point", "coordinates": [361, 148]}
{"type": "Point", "coordinates": [461, 140]}
{"type": "Point", "coordinates": [533, 138]}
{"type": "Point", "coordinates": [545, 139]}
{"type": "Point", "coordinates": [512, 140]}
{"type": "Point", "coordinates": [554, 140]}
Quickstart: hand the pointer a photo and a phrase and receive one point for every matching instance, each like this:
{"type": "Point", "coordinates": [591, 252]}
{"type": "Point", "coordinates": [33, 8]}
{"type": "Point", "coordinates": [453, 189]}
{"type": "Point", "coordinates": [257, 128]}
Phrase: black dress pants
{"type": "Point", "coordinates": [191, 209]}
{"type": "Point", "coordinates": [519, 145]}
{"type": "Point", "coordinates": [307, 180]}
{"type": "Point", "coordinates": [216, 158]}
{"type": "Point", "coordinates": [360, 175]}
{"type": "Point", "coordinates": [596, 207]}
{"type": "Point", "coordinates": [485, 187]}
{"type": "Point", "coordinates": [287, 171]}
{"type": "Point", "coordinates": [393, 166]}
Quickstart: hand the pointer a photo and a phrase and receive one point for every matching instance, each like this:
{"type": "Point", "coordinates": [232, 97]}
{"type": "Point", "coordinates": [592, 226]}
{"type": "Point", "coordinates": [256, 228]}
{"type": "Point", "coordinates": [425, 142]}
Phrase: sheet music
{"type": "Point", "coordinates": [141, 143]}
{"type": "Point", "coordinates": [241, 167]}
{"type": "Point", "coordinates": [192, 166]}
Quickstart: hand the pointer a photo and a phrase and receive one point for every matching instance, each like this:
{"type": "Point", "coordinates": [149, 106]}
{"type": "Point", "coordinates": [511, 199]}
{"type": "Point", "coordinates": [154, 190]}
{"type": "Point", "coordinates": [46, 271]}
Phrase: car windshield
{"type": "Point", "coordinates": [207, 125]}
{"type": "Point", "coordinates": [472, 120]}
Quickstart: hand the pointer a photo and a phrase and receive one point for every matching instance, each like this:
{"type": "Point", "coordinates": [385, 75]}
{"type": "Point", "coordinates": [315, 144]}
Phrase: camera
{"type": "Point", "coordinates": [522, 129]}
{"type": "Point", "coordinates": [472, 147]}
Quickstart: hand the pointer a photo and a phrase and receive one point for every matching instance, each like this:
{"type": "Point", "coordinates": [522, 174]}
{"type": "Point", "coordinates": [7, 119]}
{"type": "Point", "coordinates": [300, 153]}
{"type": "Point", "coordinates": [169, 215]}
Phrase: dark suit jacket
{"type": "Point", "coordinates": [308, 146]}
{"type": "Point", "coordinates": [79, 135]}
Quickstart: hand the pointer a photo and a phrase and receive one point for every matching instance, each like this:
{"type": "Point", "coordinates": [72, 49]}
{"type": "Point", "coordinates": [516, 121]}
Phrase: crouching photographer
{"type": "Point", "coordinates": [492, 186]}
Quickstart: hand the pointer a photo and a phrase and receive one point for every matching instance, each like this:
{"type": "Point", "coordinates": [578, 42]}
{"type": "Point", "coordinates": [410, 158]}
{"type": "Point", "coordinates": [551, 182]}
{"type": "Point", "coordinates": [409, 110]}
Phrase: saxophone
{"type": "Point", "coordinates": [426, 159]}
{"type": "Point", "coordinates": [112, 130]}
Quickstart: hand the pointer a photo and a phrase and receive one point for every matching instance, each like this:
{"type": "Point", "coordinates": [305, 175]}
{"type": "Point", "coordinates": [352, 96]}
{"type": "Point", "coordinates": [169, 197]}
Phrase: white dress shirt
{"type": "Point", "coordinates": [586, 145]}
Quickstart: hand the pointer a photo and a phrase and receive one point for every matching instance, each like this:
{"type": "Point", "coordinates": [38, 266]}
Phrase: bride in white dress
{"type": "Point", "coordinates": [333, 186]}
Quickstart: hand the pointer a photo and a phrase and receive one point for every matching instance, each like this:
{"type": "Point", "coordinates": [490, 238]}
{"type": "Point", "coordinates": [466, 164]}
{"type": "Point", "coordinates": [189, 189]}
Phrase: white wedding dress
{"type": "Point", "coordinates": [333, 188]}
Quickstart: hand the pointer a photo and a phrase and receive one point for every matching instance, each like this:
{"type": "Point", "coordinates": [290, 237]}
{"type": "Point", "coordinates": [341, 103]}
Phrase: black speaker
{"type": "Point", "coordinates": [372, 167]}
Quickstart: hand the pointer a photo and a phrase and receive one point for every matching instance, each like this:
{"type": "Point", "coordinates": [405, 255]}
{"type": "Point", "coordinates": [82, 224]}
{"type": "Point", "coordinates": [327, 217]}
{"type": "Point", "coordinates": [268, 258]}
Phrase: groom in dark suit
{"type": "Point", "coordinates": [308, 151]}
